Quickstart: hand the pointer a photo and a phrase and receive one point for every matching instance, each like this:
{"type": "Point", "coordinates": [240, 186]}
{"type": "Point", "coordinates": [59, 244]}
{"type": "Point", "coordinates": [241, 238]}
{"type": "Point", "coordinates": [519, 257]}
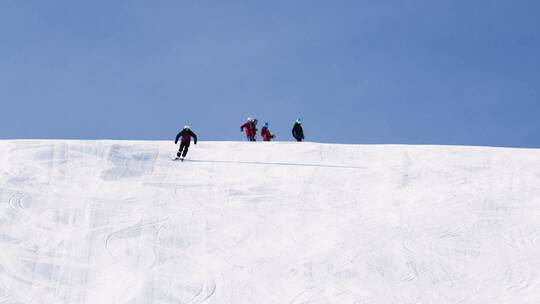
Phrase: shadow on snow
{"type": "Point", "coordinates": [273, 164]}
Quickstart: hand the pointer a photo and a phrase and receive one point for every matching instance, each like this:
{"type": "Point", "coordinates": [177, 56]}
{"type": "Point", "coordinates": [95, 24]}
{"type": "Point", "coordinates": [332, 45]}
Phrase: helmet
{"type": "Point", "coordinates": [299, 121]}
{"type": "Point", "coordinates": [255, 121]}
{"type": "Point", "coordinates": [266, 124]}
{"type": "Point", "coordinates": [187, 127]}
{"type": "Point", "coordinates": [249, 119]}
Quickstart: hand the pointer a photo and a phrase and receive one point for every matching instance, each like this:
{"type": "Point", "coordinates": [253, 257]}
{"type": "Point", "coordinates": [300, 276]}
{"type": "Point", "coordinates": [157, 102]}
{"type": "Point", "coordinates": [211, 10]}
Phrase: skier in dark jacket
{"type": "Point", "coordinates": [265, 133]}
{"type": "Point", "coordinates": [185, 139]}
{"type": "Point", "coordinates": [297, 131]}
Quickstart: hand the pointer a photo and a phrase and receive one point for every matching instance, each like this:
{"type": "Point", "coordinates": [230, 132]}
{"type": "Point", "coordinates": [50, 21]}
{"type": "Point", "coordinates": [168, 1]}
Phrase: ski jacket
{"type": "Point", "coordinates": [250, 129]}
{"type": "Point", "coordinates": [265, 134]}
{"type": "Point", "coordinates": [298, 132]}
{"type": "Point", "coordinates": [185, 136]}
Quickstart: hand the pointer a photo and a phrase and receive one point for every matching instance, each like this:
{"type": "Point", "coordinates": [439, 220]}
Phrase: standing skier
{"type": "Point", "coordinates": [297, 131]}
{"type": "Point", "coordinates": [250, 129]}
{"type": "Point", "coordinates": [265, 133]}
{"type": "Point", "coordinates": [254, 126]}
{"type": "Point", "coordinates": [185, 139]}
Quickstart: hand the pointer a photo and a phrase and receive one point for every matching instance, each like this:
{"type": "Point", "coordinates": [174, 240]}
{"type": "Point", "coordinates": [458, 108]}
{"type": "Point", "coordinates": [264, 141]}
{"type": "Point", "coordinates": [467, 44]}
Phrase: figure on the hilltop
{"type": "Point", "coordinates": [297, 131]}
{"type": "Point", "coordinates": [250, 128]}
{"type": "Point", "coordinates": [265, 133]}
{"type": "Point", "coordinates": [185, 139]}
{"type": "Point", "coordinates": [255, 121]}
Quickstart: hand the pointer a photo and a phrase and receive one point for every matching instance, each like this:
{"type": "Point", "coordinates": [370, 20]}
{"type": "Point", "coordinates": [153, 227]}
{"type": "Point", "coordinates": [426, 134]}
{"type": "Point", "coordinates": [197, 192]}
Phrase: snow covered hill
{"type": "Point", "coordinates": [116, 222]}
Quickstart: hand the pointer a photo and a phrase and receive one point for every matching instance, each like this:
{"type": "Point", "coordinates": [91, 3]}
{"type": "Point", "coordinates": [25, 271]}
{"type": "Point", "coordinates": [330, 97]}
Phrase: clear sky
{"type": "Point", "coordinates": [415, 72]}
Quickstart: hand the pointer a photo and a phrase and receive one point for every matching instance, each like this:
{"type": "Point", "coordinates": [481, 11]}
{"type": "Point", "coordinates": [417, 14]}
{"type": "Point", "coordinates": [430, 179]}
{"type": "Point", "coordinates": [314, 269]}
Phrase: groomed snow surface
{"type": "Point", "coordinates": [118, 222]}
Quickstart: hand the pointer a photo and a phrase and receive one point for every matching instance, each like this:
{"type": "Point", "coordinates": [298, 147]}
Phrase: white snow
{"type": "Point", "coordinates": [118, 222]}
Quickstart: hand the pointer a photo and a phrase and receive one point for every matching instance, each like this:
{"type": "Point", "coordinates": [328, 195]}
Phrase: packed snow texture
{"type": "Point", "coordinates": [240, 223]}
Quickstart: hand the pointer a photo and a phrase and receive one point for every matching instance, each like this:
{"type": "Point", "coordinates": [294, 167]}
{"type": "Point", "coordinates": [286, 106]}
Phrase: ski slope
{"type": "Point", "coordinates": [117, 222]}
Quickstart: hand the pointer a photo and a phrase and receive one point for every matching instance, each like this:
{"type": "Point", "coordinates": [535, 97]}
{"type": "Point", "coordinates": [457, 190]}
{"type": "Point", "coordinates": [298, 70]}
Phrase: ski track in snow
{"type": "Point", "coordinates": [294, 223]}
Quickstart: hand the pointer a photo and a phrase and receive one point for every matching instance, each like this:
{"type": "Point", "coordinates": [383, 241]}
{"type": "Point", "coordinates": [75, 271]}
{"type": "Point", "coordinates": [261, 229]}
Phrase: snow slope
{"type": "Point", "coordinates": [118, 222]}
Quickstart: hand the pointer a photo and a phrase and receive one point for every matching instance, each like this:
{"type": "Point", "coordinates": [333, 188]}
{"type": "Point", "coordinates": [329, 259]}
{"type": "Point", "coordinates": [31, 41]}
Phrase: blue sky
{"type": "Point", "coordinates": [414, 72]}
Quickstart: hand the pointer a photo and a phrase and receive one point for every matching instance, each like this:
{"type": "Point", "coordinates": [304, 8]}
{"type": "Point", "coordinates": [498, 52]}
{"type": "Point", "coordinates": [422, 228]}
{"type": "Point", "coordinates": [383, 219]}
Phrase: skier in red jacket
{"type": "Point", "coordinates": [250, 129]}
{"type": "Point", "coordinates": [265, 133]}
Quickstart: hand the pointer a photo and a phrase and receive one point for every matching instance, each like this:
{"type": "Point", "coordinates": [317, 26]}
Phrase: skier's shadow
{"type": "Point", "coordinates": [271, 164]}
